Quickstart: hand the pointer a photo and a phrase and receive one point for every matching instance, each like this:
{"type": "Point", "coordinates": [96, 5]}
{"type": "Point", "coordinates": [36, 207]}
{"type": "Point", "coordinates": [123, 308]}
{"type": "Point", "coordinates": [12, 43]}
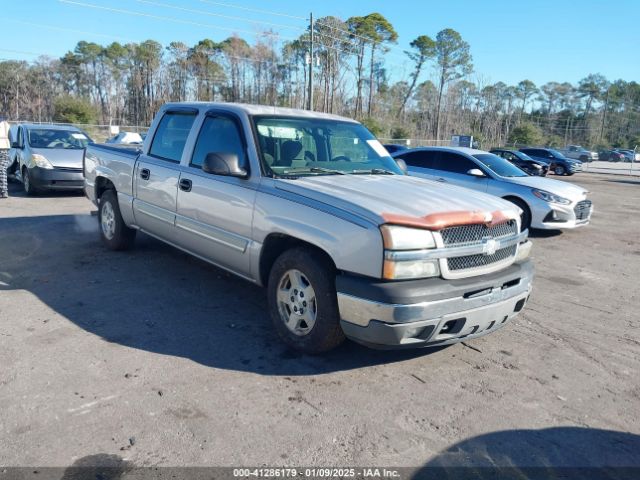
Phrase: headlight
{"type": "Point", "coordinates": [399, 262]}
{"type": "Point", "coordinates": [550, 197]}
{"type": "Point", "coordinates": [41, 161]}
{"type": "Point", "coordinates": [407, 269]}
{"type": "Point", "coordinates": [403, 238]}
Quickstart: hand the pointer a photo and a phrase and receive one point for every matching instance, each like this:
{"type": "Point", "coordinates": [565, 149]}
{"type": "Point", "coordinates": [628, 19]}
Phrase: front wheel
{"type": "Point", "coordinates": [114, 232]}
{"type": "Point", "coordinates": [560, 170]}
{"type": "Point", "coordinates": [303, 303]}
{"type": "Point", "coordinates": [29, 189]}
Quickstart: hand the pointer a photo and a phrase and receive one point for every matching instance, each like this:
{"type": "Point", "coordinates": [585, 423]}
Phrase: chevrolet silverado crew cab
{"type": "Point", "coordinates": [312, 207]}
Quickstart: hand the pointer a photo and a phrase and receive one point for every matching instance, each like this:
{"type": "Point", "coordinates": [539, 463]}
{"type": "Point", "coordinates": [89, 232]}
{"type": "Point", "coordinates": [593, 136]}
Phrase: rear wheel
{"type": "Point", "coordinates": [303, 303]}
{"type": "Point", "coordinates": [114, 232]}
{"type": "Point", "coordinates": [525, 216]}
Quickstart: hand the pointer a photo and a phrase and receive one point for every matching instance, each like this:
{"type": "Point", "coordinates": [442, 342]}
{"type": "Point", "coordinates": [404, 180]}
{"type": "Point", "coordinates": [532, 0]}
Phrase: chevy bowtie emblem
{"type": "Point", "coordinates": [489, 246]}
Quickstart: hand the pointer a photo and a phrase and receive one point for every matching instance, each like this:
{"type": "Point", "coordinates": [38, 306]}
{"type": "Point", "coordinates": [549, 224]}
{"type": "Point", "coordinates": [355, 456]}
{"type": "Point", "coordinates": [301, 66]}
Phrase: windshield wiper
{"type": "Point", "coordinates": [374, 171]}
{"type": "Point", "coordinates": [328, 171]}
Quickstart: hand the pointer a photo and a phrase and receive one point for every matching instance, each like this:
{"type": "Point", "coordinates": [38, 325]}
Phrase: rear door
{"type": "Point", "coordinates": [215, 212]}
{"type": "Point", "coordinates": [157, 173]}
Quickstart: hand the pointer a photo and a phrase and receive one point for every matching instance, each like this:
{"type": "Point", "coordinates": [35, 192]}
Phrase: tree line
{"type": "Point", "coordinates": [427, 95]}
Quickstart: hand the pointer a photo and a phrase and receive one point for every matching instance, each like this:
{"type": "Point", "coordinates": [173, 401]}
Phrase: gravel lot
{"type": "Point", "coordinates": [159, 359]}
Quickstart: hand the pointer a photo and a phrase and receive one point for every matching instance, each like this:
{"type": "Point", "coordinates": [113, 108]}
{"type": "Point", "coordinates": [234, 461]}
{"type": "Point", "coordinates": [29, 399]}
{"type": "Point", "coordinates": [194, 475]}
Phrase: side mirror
{"type": "Point", "coordinates": [15, 145]}
{"type": "Point", "coordinates": [402, 164]}
{"type": "Point", "coordinates": [224, 163]}
{"type": "Point", "coordinates": [476, 172]}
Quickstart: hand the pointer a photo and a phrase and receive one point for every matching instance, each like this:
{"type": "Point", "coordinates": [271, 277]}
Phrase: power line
{"type": "Point", "coordinates": [168, 19]}
{"type": "Point", "coordinates": [255, 10]}
{"type": "Point", "coordinates": [203, 12]}
{"type": "Point", "coordinates": [64, 29]}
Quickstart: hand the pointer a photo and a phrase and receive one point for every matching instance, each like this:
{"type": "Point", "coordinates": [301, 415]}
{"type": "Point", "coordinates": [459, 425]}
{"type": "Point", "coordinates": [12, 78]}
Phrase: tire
{"type": "Point", "coordinates": [584, 158]}
{"type": "Point", "coordinates": [559, 170]}
{"type": "Point", "coordinates": [28, 187]}
{"type": "Point", "coordinates": [525, 218]}
{"type": "Point", "coordinates": [114, 232]}
{"type": "Point", "coordinates": [301, 281]}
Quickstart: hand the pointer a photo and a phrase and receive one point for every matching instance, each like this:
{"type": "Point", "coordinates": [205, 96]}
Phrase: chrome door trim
{"type": "Point", "coordinates": [154, 212]}
{"type": "Point", "coordinates": [214, 234]}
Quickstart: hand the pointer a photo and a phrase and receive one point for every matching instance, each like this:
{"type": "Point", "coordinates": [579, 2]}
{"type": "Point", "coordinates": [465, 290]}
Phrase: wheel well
{"type": "Point", "coordinates": [103, 184]}
{"type": "Point", "coordinates": [518, 201]}
{"type": "Point", "coordinates": [275, 245]}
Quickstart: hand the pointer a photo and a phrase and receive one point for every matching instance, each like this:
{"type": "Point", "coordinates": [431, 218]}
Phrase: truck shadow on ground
{"type": "Point", "coordinates": [158, 299]}
{"type": "Point", "coordinates": [551, 453]}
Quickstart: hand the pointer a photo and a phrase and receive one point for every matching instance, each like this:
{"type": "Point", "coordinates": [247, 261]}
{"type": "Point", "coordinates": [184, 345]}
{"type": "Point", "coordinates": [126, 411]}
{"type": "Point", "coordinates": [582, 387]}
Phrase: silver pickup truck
{"type": "Point", "coordinates": [312, 207]}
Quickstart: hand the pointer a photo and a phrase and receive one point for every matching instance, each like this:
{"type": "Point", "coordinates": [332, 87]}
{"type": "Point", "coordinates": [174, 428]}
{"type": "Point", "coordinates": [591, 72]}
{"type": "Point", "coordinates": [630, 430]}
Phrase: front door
{"type": "Point", "coordinates": [215, 212]}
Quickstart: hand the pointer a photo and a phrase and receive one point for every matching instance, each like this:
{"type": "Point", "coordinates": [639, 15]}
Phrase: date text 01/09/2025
{"type": "Point", "coordinates": [315, 473]}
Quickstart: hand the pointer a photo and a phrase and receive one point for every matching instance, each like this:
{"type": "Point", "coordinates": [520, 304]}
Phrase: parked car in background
{"type": "Point", "coordinates": [579, 153]}
{"type": "Point", "coordinates": [629, 155]}
{"type": "Point", "coordinates": [558, 163]}
{"type": "Point", "coordinates": [48, 157]}
{"type": "Point", "coordinates": [523, 161]}
{"type": "Point", "coordinates": [611, 156]}
{"type": "Point", "coordinates": [126, 138]}
{"type": "Point", "coordinates": [545, 203]}
{"type": "Point", "coordinates": [311, 206]}
{"type": "Point", "coordinates": [394, 147]}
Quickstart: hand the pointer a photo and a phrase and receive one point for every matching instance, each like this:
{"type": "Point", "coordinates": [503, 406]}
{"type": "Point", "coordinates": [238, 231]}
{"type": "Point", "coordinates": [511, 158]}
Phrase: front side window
{"type": "Point", "coordinates": [218, 135]}
{"type": "Point", "coordinates": [499, 165]}
{"type": "Point", "coordinates": [48, 138]}
{"type": "Point", "coordinates": [454, 163]}
{"type": "Point", "coordinates": [171, 136]}
{"type": "Point", "coordinates": [311, 146]}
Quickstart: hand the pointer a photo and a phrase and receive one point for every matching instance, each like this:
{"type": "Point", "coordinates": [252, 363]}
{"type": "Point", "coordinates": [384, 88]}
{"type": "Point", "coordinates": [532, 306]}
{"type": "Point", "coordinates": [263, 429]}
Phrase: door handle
{"type": "Point", "coordinates": [185, 184]}
{"type": "Point", "coordinates": [145, 173]}
{"type": "Point", "coordinates": [440, 179]}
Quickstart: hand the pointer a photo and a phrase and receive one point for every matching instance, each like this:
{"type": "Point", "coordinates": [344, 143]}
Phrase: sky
{"type": "Point", "coordinates": [539, 40]}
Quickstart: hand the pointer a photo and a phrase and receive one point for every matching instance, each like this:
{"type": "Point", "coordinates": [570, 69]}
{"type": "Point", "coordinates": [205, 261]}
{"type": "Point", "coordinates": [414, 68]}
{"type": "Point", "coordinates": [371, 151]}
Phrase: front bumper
{"type": "Point", "coordinates": [430, 312]}
{"type": "Point", "coordinates": [56, 178]}
{"type": "Point", "coordinates": [553, 216]}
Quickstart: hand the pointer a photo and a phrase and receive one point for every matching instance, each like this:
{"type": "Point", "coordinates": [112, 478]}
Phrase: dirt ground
{"type": "Point", "coordinates": [159, 359]}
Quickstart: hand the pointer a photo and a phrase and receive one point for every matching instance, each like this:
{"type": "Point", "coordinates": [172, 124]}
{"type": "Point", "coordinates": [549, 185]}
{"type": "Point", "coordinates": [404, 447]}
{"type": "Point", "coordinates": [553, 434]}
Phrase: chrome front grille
{"type": "Point", "coordinates": [582, 210]}
{"type": "Point", "coordinates": [475, 234]}
{"type": "Point", "coordinates": [480, 260]}
{"type": "Point", "coordinates": [483, 236]}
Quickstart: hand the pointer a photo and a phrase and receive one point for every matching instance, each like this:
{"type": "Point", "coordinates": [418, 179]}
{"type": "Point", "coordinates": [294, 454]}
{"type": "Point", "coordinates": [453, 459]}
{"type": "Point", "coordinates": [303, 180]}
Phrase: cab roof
{"type": "Point", "coordinates": [249, 109]}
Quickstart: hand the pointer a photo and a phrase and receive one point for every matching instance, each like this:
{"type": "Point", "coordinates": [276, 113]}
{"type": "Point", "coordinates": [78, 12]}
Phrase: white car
{"type": "Point", "coordinates": [545, 203]}
{"type": "Point", "coordinates": [126, 138]}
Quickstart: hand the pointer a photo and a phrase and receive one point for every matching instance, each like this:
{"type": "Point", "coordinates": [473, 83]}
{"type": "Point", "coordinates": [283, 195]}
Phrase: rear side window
{"type": "Point", "coordinates": [419, 159]}
{"type": "Point", "coordinates": [171, 136]}
{"type": "Point", "coordinates": [218, 135]}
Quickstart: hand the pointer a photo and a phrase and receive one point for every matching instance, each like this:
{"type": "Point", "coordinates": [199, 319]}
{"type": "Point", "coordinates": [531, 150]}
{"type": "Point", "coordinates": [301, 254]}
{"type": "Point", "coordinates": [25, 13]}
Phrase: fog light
{"type": "Point", "coordinates": [524, 250]}
{"type": "Point", "coordinates": [413, 332]}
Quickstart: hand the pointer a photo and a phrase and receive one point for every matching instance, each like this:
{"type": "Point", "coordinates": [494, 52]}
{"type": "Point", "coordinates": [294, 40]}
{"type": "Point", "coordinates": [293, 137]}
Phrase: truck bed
{"type": "Point", "coordinates": [124, 150]}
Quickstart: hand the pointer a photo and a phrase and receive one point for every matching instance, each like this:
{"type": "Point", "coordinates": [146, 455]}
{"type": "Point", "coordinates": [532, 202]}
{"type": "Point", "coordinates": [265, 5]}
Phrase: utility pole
{"type": "Point", "coordinates": [311, 63]}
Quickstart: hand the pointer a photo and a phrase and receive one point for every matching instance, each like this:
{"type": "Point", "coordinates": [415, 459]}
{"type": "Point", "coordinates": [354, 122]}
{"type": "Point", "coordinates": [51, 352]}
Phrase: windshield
{"type": "Point", "coordinates": [499, 165]}
{"type": "Point", "coordinates": [556, 153]}
{"type": "Point", "coordinates": [311, 146]}
{"type": "Point", "coordinates": [523, 156]}
{"type": "Point", "coordinates": [46, 138]}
